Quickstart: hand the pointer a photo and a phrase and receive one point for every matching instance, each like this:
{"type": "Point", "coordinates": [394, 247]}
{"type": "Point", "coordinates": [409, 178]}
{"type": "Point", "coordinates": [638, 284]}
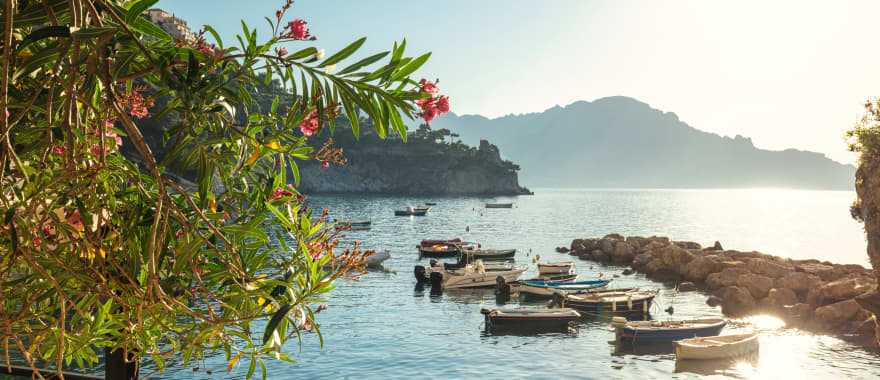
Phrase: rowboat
{"type": "Point", "coordinates": [548, 288]}
{"type": "Point", "coordinates": [351, 227]}
{"type": "Point", "coordinates": [665, 331]}
{"type": "Point", "coordinates": [487, 254]}
{"type": "Point", "coordinates": [359, 223]}
{"type": "Point", "coordinates": [717, 347]}
{"type": "Point", "coordinates": [558, 278]}
{"type": "Point", "coordinates": [410, 211]}
{"type": "Point", "coordinates": [613, 301]}
{"type": "Point", "coordinates": [471, 276]}
{"type": "Point", "coordinates": [527, 318]}
{"type": "Point", "coordinates": [375, 260]}
{"type": "Point", "coordinates": [566, 267]}
{"type": "Point", "coordinates": [430, 204]}
{"type": "Point", "coordinates": [421, 209]}
{"type": "Point", "coordinates": [488, 266]}
{"type": "Point", "coordinates": [499, 205]}
{"type": "Point", "coordinates": [440, 248]}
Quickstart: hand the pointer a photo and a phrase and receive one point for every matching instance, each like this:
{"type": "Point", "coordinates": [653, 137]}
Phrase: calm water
{"type": "Point", "coordinates": [381, 326]}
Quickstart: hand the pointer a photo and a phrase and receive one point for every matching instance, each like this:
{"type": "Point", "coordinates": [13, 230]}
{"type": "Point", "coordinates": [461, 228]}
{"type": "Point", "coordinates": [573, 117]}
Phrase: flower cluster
{"type": "Point", "coordinates": [137, 104]}
{"type": "Point", "coordinates": [281, 192]}
{"type": "Point", "coordinates": [433, 105]}
{"type": "Point", "coordinates": [112, 140]}
{"type": "Point", "coordinates": [328, 154]}
{"type": "Point", "coordinates": [298, 29]}
{"type": "Point", "coordinates": [310, 124]}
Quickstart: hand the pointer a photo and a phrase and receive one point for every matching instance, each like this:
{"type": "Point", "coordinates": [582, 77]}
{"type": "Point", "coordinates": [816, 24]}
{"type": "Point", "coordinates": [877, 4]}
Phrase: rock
{"type": "Point", "coordinates": [717, 246]}
{"type": "Point", "coordinates": [780, 297]}
{"type": "Point", "coordinates": [627, 272]}
{"type": "Point", "coordinates": [700, 267]}
{"type": "Point", "coordinates": [675, 257]}
{"type": "Point", "coordinates": [714, 301]}
{"type": "Point", "coordinates": [725, 278]}
{"type": "Point", "coordinates": [736, 300]}
{"type": "Point", "coordinates": [599, 255]}
{"type": "Point", "coordinates": [799, 282]}
{"type": "Point", "coordinates": [562, 249]}
{"type": "Point", "coordinates": [767, 268]}
{"type": "Point", "coordinates": [665, 275]}
{"type": "Point", "coordinates": [757, 285]}
{"type": "Point", "coordinates": [840, 290]}
{"type": "Point", "coordinates": [688, 244]}
{"type": "Point", "coordinates": [623, 252]}
{"type": "Point", "coordinates": [606, 246]}
{"type": "Point", "coordinates": [641, 260]}
{"type": "Point", "coordinates": [616, 237]}
{"type": "Point", "coordinates": [577, 245]}
{"type": "Point", "coordinates": [687, 286]}
{"type": "Point", "coordinates": [870, 302]}
{"type": "Point", "coordinates": [837, 313]}
{"type": "Point", "coordinates": [825, 272]}
{"type": "Point", "coordinates": [724, 264]}
{"type": "Point", "coordinates": [655, 265]}
{"type": "Point", "coordinates": [636, 242]}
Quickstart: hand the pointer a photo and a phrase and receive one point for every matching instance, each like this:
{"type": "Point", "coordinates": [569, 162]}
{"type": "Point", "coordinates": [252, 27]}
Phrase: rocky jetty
{"type": "Point", "coordinates": [805, 293]}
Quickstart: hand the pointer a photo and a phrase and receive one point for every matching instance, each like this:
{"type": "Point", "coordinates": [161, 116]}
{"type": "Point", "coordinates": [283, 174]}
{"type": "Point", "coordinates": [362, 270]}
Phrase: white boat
{"type": "Point", "coordinates": [566, 267]}
{"type": "Point", "coordinates": [473, 276]}
{"type": "Point", "coordinates": [717, 347]}
{"type": "Point", "coordinates": [549, 288]}
{"type": "Point", "coordinates": [375, 260]}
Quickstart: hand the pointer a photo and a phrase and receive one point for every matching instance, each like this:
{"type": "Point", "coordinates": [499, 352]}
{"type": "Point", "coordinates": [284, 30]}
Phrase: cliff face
{"type": "Point", "coordinates": [421, 166]}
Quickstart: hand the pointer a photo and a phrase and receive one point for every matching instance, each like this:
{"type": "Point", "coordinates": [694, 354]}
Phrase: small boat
{"type": "Point", "coordinates": [471, 276]}
{"type": "Point", "coordinates": [359, 223]}
{"type": "Point", "coordinates": [557, 278]}
{"type": "Point", "coordinates": [665, 331]}
{"type": "Point", "coordinates": [375, 260]}
{"type": "Point", "coordinates": [421, 209]}
{"type": "Point", "coordinates": [548, 288]}
{"type": "Point", "coordinates": [471, 254]}
{"type": "Point", "coordinates": [717, 347]}
{"type": "Point", "coordinates": [430, 204]}
{"type": "Point", "coordinates": [488, 266]}
{"type": "Point", "coordinates": [499, 205]}
{"type": "Point", "coordinates": [528, 318]}
{"type": "Point", "coordinates": [566, 267]}
{"type": "Point", "coordinates": [351, 227]}
{"type": "Point", "coordinates": [613, 301]}
{"type": "Point", "coordinates": [410, 211]}
{"type": "Point", "coordinates": [440, 248]}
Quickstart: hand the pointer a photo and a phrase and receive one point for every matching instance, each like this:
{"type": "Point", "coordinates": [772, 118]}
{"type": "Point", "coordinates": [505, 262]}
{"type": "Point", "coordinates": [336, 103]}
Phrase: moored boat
{"type": "Point", "coordinates": [717, 347]}
{"type": "Point", "coordinates": [471, 276]}
{"type": "Point", "coordinates": [558, 278]}
{"type": "Point", "coordinates": [430, 204]}
{"type": "Point", "coordinates": [411, 211]}
{"type": "Point", "coordinates": [529, 318]}
{"type": "Point", "coordinates": [499, 205]}
{"type": "Point", "coordinates": [666, 331]}
{"type": "Point", "coordinates": [548, 288]}
{"type": "Point", "coordinates": [566, 267]}
{"type": "Point", "coordinates": [360, 223]}
{"type": "Point", "coordinates": [470, 254]}
{"type": "Point", "coordinates": [440, 248]}
{"type": "Point", "coordinates": [612, 301]}
{"type": "Point", "coordinates": [377, 258]}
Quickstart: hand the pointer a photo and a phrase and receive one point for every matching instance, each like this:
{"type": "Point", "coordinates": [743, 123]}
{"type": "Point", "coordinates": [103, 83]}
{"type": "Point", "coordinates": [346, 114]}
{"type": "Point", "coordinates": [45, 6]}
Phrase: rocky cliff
{"type": "Point", "coordinates": [425, 164]}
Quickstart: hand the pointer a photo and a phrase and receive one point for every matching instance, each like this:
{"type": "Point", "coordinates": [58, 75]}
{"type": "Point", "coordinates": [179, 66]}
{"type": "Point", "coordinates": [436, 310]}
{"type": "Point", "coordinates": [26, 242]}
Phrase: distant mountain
{"type": "Point", "coordinates": [622, 142]}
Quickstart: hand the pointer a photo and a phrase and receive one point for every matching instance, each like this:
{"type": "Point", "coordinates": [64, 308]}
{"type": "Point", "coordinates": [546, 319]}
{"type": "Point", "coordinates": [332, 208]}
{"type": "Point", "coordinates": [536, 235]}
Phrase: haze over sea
{"type": "Point", "coordinates": [383, 326]}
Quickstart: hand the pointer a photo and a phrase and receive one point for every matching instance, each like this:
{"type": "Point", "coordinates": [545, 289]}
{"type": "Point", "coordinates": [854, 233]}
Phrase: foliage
{"type": "Point", "coordinates": [864, 138]}
{"type": "Point", "coordinates": [98, 250]}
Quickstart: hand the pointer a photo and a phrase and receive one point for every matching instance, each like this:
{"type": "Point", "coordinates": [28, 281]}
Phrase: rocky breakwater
{"type": "Point", "coordinates": [805, 293]}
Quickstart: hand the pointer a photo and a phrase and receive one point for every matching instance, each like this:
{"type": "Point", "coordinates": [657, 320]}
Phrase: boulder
{"type": "Point", "coordinates": [615, 237]}
{"type": "Point", "coordinates": [799, 282]}
{"type": "Point", "coordinates": [562, 249]}
{"type": "Point", "coordinates": [599, 255]}
{"type": "Point", "coordinates": [825, 272]}
{"type": "Point", "coordinates": [757, 285]}
{"type": "Point", "coordinates": [781, 297]}
{"type": "Point", "coordinates": [687, 286]}
{"type": "Point", "coordinates": [675, 257]}
{"type": "Point", "coordinates": [725, 278]}
{"type": "Point", "coordinates": [688, 244]}
{"type": "Point", "coordinates": [838, 313]}
{"type": "Point", "coordinates": [655, 265]}
{"type": "Point", "coordinates": [714, 301]}
{"type": "Point", "coordinates": [665, 275]}
{"type": "Point", "coordinates": [606, 246]}
{"type": "Point", "coordinates": [840, 290]}
{"type": "Point", "coordinates": [736, 300]}
{"type": "Point", "coordinates": [767, 268]}
{"type": "Point", "coordinates": [641, 260]}
{"type": "Point", "coordinates": [627, 272]}
{"type": "Point", "coordinates": [717, 246]}
{"type": "Point", "coordinates": [623, 252]}
{"type": "Point", "coordinates": [724, 264]}
{"type": "Point", "coordinates": [577, 245]}
{"type": "Point", "coordinates": [700, 267]}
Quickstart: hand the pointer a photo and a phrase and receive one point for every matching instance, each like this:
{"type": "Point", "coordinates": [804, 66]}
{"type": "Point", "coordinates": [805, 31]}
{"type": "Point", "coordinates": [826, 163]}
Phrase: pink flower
{"type": "Point", "coordinates": [430, 114]}
{"type": "Point", "coordinates": [179, 234]}
{"type": "Point", "coordinates": [325, 164]}
{"type": "Point", "coordinates": [297, 30]}
{"type": "Point", "coordinates": [58, 149]}
{"type": "Point", "coordinates": [280, 193]}
{"type": "Point", "coordinates": [74, 219]}
{"type": "Point", "coordinates": [206, 49]}
{"type": "Point", "coordinates": [309, 125]}
{"type": "Point", "coordinates": [429, 87]}
{"type": "Point", "coordinates": [37, 241]}
{"type": "Point", "coordinates": [282, 51]}
{"type": "Point", "coordinates": [96, 150]}
{"type": "Point", "coordinates": [49, 229]}
{"type": "Point", "coordinates": [443, 104]}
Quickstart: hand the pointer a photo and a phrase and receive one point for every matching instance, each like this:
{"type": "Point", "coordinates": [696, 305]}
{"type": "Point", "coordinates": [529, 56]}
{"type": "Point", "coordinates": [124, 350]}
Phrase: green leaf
{"type": "Point", "coordinates": [45, 32]}
{"type": "Point", "coordinates": [307, 52]}
{"type": "Point", "coordinates": [344, 53]}
{"type": "Point", "coordinates": [138, 8]}
{"type": "Point", "coordinates": [274, 321]}
{"type": "Point", "coordinates": [216, 36]}
{"type": "Point", "coordinates": [364, 62]}
{"type": "Point", "coordinates": [410, 67]}
{"type": "Point", "coordinates": [146, 27]}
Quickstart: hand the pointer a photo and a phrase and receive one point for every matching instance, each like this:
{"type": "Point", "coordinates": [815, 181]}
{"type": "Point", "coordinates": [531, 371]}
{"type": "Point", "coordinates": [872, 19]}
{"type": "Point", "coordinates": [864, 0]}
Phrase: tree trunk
{"type": "Point", "coordinates": [117, 368]}
{"type": "Point", "coordinates": [868, 208]}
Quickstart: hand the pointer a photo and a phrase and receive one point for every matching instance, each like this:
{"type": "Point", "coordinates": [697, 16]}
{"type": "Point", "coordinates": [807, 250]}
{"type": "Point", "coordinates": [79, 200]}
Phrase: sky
{"type": "Point", "coordinates": [788, 74]}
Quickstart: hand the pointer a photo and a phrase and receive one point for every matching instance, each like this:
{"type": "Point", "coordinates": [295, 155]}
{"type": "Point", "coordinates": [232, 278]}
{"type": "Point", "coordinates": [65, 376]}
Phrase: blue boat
{"type": "Point", "coordinates": [666, 331]}
{"type": "Point", "coordinates": [548, 288]}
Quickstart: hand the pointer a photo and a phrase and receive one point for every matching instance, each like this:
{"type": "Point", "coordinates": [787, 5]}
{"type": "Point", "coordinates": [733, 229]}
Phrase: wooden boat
{"type": "Point", "coordinates": [375, 260]}
{"type": "Point", "coordinates": [612, 301]}
{"type": "Point", "coordinates": [566, 267]}
{"type": "Point", "coordinates": [529, 318]}
{"type": "Point", "coordinates": [430, 204]}
{"type": "Point", "coordinates": [360, 223]}
{"type": "Point", "coordinates": [717, 347]}
{"type": "Point", "coordinates": [548, 288]}
{"type": "Point", "coordinates": [488, 266]}
{"type": "Point", "coordinates": [471, 254]}
{"type": "Point", "coordinates": [440, 248]}
{"type": "Point", "coordinates": [666, 331]}
{"type": "Point", "coordinates": [499, 205]}
{"type": "Point", "coordinates": [471, 276]}
{"type": "Point", "coordinates": [558, 278]}
{"type": "Point", "coordinates": [421, 209]}
{"type": "Point", "coordinates": [410, 211]}
{"type": "Point", "coordinates": [350, 227]}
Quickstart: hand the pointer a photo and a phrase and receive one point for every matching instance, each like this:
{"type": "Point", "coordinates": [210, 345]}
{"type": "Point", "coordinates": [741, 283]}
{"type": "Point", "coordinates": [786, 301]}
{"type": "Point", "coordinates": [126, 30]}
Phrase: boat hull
{"type": "Point", "coordinates": [549, 288]}
{"type": "Point", "coordinates": [555, 269]}
{"type": "Point", "coordinates": [497, 254]}
{"type": "Point", "coordinates": [523, 319]}
{"type": "Point", "coordinates": [478, 280]}
{"type": "Point", "coordinates": [499, 205]}
{"type": "Point", "coordinates": [613, 306]}
{"type": "Point", "coordinates": [732, 346]}
{"type": "Point", "coordinates": [668, 334]}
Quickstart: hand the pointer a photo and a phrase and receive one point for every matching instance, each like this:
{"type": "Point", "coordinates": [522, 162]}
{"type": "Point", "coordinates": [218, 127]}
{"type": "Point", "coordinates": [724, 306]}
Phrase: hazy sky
{"type": "Point", "coordinates": [786, 74]}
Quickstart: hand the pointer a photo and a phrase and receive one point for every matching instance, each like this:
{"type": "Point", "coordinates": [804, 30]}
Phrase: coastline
{"type": "Point", "coordinates": [813, 295]}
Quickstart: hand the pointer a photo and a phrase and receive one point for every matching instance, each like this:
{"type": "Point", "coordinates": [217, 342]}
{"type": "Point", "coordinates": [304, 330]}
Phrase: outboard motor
{"type": "Point", "coordinates": [501, 286]}
{"type": "Point", "coordinates": [558, 299]}
{"type": "Point", "coordinates": [436, 282]}
{"type": "Point", "coordinates": [421, 275]}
